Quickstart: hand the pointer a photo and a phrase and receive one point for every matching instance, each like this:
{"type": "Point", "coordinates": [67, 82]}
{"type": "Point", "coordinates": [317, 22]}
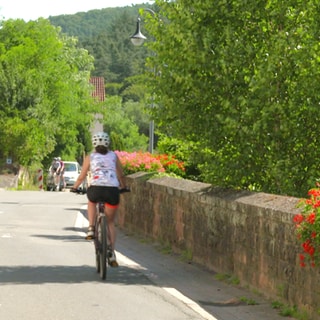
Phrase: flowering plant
{"type": "Point", "coordinates": [307, 224]}
{"type": "Point", "coordinates": [139, 161]}
{"type": "Point", "coordinates": [171, 164]}
{"type": "Point", "coordinates": [145, 161]}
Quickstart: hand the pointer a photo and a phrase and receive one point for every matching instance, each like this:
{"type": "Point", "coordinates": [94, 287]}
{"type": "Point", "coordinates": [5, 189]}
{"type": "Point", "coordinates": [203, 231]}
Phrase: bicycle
{"type": "Point", "coordinates": [102, 250]}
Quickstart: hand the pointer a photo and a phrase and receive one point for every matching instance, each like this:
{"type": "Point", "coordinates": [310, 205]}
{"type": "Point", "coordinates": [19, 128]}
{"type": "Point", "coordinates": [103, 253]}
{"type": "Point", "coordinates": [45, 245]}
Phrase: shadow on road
{"type": "Point", "coordinates": [69, 274]}
{"type": "Point", "coordinates": [64, 238]}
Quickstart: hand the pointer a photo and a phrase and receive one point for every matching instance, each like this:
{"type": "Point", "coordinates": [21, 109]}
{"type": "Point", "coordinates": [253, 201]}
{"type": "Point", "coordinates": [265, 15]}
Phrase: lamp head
{"type": "Point", "coordinates": [138, 38]}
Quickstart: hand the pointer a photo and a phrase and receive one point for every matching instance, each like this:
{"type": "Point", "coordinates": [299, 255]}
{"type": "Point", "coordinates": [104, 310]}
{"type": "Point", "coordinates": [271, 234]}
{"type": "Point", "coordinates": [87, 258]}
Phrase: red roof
{"type": "Point", "coordinates": [99, 91]}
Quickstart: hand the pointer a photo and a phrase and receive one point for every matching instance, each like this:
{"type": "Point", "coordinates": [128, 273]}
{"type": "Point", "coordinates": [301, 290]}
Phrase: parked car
{"type": "Point", "coordinates": [71, 174]}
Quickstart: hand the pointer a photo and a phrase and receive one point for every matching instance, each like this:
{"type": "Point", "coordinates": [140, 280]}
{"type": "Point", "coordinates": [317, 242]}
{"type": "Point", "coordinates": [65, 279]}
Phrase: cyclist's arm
{"type": "Point", "coordinates": [120, 175]}
{"type": "Point", "coordinates": [83, 173]}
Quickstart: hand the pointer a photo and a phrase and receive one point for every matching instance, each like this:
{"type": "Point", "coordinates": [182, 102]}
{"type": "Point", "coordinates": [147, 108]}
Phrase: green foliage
{"type": "Point", "coordinates": [183, 150]}
{"type": "Point", "coordinates": [45, 94]}
{"type": "Point", "coordinates": [118, 121]}
{"type": "Point", "coordinates": [241, 79]}
{"type": "Point", "coordinates": [136, 112]}
{"type": "Point", "coordinates": [116, 141]}
{"type": "Point", "coordinates": [171, 164]}
{"type": "Point", "coordinates": [113, 89]}
{"type": "Point", "coordinates": [236, 87]}
{"type": "Point", "coordinates": [248, 301]}
{"type": "Point", "coordinates": [290, 311]}
{"type": "Point", "coordinates": [106, 35]}
{"type": "Point", "coordinates": [227, 278]}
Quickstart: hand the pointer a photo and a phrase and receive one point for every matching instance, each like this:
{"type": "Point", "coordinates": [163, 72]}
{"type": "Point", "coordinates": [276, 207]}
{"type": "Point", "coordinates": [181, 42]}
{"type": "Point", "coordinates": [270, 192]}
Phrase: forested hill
{"type": "Point", "coordinates": [92, 23]}
{"type": "Point", "coordinates": [106, 35]}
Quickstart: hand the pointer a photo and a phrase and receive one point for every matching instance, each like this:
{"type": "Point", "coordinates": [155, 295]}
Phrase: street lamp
{"type": "Point", "coordinates": [137, 39]}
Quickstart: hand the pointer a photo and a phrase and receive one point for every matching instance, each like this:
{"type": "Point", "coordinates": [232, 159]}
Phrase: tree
{"type": "Point", "coordinates": [118, 123]}
{"type": "Point", "coordinates": [45, 94]}
{"type": "Point", "coordinates": [109, 42]}
{"type": "Point", "coordinates": [241, 80]}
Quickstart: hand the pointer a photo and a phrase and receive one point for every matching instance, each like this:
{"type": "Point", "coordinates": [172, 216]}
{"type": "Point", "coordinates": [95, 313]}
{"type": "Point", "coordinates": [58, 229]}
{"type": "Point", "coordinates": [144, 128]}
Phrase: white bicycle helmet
{"type": "Point", "coordinates": [101, 139]}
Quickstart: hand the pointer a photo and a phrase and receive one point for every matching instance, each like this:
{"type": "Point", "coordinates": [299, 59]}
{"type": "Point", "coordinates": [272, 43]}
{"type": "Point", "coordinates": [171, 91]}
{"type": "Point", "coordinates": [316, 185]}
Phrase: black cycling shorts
{"type": "Point", "coordinates": [109, 195]}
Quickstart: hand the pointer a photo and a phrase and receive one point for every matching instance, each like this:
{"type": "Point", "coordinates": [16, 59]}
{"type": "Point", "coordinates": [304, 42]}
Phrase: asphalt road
{"type": "Point", "coordinates": [47, 271]}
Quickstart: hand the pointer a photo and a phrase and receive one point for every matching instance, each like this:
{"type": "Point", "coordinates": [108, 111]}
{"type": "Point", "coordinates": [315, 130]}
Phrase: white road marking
{"type": "Point", "coordinates": [7, 235]}
{"type": "Point", "coordinates": [190, 303]}
{"type": "Point", "coordinates": [128, 262]}
{"type": "Point", "coordinates": [81, 222]}
{"type": "Point", "coordinates": [172, 291]}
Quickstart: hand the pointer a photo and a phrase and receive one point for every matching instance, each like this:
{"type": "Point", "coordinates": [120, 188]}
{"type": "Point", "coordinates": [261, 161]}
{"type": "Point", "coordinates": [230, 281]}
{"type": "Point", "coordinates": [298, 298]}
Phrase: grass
{"type": "Point", "coordinates": [166, 249]}
{"type": "Point", "coordinates": [290, 311]}
{"type": "Point", "coordinates": [186, 256]}
{"type": "Point", "coordinates": [227, 278]}
{"type": "Point", "coordinates": [248, 301]}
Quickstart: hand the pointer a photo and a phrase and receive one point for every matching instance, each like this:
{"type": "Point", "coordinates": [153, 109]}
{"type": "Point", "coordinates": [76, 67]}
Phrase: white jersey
{"type": "Point", "coordinates": [103, 169]}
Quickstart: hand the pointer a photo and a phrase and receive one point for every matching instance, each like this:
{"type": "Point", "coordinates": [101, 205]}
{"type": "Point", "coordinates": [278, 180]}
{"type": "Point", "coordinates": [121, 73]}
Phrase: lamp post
{"type": "Point", "coordinates": [137, 39]}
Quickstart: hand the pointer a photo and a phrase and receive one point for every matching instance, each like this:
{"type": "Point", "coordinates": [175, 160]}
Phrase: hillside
{"type": "Point", "coordinates": [106, 35]}
{"type": "Point", "coordinates": [90, 24]}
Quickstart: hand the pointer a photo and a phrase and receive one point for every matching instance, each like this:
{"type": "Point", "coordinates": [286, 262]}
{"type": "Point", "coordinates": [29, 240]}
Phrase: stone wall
{"type": "Point", "coordinates": [248, 235]}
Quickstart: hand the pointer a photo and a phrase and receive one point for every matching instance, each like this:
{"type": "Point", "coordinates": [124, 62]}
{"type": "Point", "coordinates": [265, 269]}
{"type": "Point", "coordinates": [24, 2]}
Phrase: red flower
{"type": "Point", "coordinates": [308, 247]}
{"type": "Point", "coordinates": [311, 218]}
{"type": "Point", "coordinates": [298, 218]}
{"type": "Point", "coordinates": [307, 227]}
{"type": "Point", "coordinates": [314, 192]}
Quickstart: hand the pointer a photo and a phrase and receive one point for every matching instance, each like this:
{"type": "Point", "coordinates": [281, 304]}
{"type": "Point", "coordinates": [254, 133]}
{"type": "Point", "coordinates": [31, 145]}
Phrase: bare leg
{"type": "Point", "coordinates": [91, 219]}
{"type": "Point", "coordinates": [63, 182]}
{"type": "Point", "coordinates": [91, 213]}
{"type": "Point", "coordinates": [111, 214]}
{"type": "Point", "coordinates": [58, 182]}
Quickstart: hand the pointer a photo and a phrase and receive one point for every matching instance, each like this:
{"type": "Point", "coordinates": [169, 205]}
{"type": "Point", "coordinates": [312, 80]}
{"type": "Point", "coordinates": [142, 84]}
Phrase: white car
{"type": "Point", "coordinates": [71, 174]}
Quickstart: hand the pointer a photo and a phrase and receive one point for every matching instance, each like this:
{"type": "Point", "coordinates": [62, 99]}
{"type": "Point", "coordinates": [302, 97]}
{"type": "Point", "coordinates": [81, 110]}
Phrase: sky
{"type": "Point", "coordinates": [34, 9]}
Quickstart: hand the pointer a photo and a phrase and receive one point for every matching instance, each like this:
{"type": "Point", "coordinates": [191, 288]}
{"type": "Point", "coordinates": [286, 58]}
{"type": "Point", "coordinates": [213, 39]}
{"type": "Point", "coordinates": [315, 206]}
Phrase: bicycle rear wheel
{"type": "Point", "coordinates": [102, 236]}
{"type": "Point", "coordinates": [97, 244]}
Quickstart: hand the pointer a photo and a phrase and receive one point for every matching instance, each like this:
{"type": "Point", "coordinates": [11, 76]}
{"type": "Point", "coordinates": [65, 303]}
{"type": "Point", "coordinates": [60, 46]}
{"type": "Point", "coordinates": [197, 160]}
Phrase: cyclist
{"type": "Point", "coordinates": [106, 180]}
{"type": "Point", "coordinates": [60, 173]}
{"type": "Point", "coordinates": [55, 170]}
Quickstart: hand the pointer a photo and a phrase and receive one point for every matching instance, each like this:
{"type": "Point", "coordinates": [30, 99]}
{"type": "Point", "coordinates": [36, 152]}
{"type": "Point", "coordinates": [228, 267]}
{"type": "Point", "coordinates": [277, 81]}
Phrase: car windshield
{"type": "Point", "coordinates": [70, 167]}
